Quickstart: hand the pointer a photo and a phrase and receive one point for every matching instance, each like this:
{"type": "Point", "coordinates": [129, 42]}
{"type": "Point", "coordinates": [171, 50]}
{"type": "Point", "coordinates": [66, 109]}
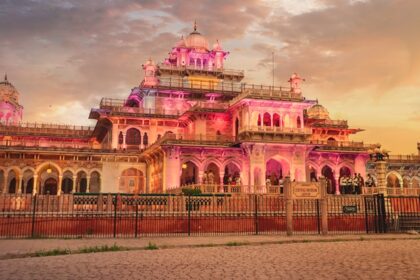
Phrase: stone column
{"type": "Point", "coordinates": [35, 186]}
{"type": "Point", "coordinates": [5, 186]}
{"type": "Point", "coordinates": [60, 182]}
{"type": "Point", "coordinates": [324, 206]}
{"type": "Point", "coordinates": [221, 176]}
{"type": "Point", "coordinates": [337, 183]}
{"type": "Point", "coordinates": [124, 146]}
{"type": "Point", "coordinates": [380, 168]}
{"type": "Point", "coordinates": [289, 205]}
{"type": "Point", "coordinates": [88, 184]}
{"type": "Point", "coordinates": [19, 184]}
{"type": "Point", "coordinates": [73, 188]}
{"type": "Point", "coordinates": [148, 176]}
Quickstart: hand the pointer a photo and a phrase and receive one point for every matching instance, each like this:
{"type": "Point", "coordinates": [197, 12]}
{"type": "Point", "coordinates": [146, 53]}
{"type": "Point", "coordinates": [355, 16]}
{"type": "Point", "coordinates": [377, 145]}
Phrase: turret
{"type": "Point", "coordinates": [10, 109]}
{"type": "Point", "coordinates": [150, 77]}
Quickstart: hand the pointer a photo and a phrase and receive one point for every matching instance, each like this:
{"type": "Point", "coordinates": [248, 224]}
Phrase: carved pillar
{"type": "Point", "coordinates": [60, 182]}
{"type": "Point", "coordinates": [73, 188]}
{"type": "Point", "coordinates": [5, 185]}
{"type": "Point", "coordinates": [380, 168]}
{"type": "Point", "coordinates": [337, 182]}
{"type": "Point", "coordinates": [123, 144]}
{"type": "Point", "coordinates": [35, 186]}
{"type": "Point", "coordinates": [88, 184]}
{"type": "Point", "coordinates": [19, 184]}
{"type": "Point", "coordinates": [221, 176]}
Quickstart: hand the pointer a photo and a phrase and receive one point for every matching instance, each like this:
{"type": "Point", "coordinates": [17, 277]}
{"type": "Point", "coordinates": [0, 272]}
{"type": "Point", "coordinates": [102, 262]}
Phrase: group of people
{"type": "Point", "coordinates": [351, 184]}
{"type": "Point", "coordinates": [274, 181]}
{"type": "Point", "coordinates": [230, 179]}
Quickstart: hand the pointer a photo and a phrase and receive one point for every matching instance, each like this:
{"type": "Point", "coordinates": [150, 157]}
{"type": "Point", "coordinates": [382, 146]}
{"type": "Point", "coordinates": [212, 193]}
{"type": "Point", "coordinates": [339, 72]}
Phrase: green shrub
{"type": "Point", "coordinates": [189, 191]}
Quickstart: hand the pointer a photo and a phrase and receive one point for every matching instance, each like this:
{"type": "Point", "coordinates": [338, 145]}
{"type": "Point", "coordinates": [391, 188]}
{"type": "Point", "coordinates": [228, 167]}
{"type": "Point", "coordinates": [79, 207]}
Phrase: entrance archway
{"type": "Point", "coordinates": [189, 174]}
{"type": "Point", "coordinates": [328, 173]}
{"type": "Point", "coordinates": [392, 181]}
{"type": "Point", "coordinates": [231, 174]}
{"type": "Point", "coordinates": [274, 171]}
{"type": "Point", "coordinates": [67, 185]}
{"type": "Point", "coordinates": [131, 181]}
{"type": "Point", "coordinates": [213, 174]}
{"type": "Point", "coordinates": [50, 186]}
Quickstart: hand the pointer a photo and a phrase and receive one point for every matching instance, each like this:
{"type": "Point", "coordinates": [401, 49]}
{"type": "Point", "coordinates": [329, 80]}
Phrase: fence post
{"type": "Point", "coordinates": [318, 217]}
{"type": "Point", "coordinates": [137, 219]}
{"type": "Point", "coordinates": [381, 213]}
{"type": "Point", "coordinates": [289, 205]}
{"type": "Point", "coordinates": [256, 213]}
{"type": "Point", "coordinates": [115, 197]}
{"type": "Point", "coordinates": [33, 217]}
{"type": "Point", "coordinates": [189, 206]}
{"type": "Point", "coordinates": [324, 206]}
{"type": "Point", "coordinates": [366, 215]}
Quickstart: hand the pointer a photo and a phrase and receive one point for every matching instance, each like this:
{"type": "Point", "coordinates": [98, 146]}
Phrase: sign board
{"type": "Point", "coordinates": [302, 190]}
{"type": "Point", "coordinates": [350, 209]}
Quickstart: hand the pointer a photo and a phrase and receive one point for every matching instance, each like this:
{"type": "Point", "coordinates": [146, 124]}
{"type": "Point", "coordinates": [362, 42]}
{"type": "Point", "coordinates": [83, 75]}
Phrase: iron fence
{"type": "Point", "coordinates": [124, 215]}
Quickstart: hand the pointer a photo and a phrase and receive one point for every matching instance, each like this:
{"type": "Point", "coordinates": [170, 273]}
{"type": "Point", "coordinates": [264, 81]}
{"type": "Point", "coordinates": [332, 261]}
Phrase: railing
{"type": "Point", "coordinates": [230, 189]}
{"type": "Point", "coordinates": [266, 92]}
{"type": "Point", "coordinates": [204, 139]}
{"type": "Point", "coordinates": [128, 215]}
{"type": "Point", "coordinates": [201, 105]}
{"type": "Point", "coordinates": [46, 144]}
{"type": "Point", "coordinates": [45, 128]}
{"type": "Point", "coordinates": [407, 158]}
{"type": "Point", "coordinates": [340, 123]}
{"type": "Point", "coordinates": [331, 145]}
{"type": "Point", "coordinates": [392, 191]}
{"type": "Point", "coordinates": [276, 129]}
{"type": "Point", "coordinates": [228, 72]}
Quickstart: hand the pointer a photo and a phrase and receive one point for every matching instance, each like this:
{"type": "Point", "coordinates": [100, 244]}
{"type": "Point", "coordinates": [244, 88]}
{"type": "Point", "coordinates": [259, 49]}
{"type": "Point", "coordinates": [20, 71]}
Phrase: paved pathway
{"type": "Point", "coordinates": [382, 259]}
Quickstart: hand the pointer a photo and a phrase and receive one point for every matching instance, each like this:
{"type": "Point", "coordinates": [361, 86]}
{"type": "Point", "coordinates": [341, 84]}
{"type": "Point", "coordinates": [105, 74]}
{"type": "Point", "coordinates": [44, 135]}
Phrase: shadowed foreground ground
{"type": "Point", "coordinates": [382, 259]}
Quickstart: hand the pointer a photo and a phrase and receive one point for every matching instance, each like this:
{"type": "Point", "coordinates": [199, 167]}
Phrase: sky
{"type": "Point", "coordinates": [360, 58]}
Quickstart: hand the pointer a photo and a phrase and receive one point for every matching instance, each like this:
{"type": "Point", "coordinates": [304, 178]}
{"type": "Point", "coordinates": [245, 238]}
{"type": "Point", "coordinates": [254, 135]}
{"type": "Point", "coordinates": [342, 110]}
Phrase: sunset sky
{"type": "Point", "coordinates": [361, 59]}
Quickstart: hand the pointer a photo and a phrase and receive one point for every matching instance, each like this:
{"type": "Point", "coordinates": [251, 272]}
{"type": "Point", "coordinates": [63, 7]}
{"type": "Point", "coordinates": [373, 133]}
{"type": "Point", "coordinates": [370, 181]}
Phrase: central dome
{"type": "Point", "coordinates": [197, 41]}
{"type": "Point", "coordinates": [318, 112]}
{"type": "Point", "coordinates": [8, 92]}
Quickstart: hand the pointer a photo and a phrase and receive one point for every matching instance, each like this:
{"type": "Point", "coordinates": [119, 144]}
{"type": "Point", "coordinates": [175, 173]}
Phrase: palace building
{"type": "Point", "coordinates": [190, 122]}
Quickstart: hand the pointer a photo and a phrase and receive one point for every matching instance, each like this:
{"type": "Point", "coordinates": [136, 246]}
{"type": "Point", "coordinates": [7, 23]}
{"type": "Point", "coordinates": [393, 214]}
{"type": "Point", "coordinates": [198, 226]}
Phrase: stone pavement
{"type": "Point", "coordinates": [23, 246]}
{"type": "Point", "coordinates": [380, 259]}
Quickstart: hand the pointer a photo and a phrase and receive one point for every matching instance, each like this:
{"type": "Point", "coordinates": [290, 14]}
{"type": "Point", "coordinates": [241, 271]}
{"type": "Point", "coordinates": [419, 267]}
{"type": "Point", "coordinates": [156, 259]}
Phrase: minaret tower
{"type": "Point", "coordinates": [10, 109]}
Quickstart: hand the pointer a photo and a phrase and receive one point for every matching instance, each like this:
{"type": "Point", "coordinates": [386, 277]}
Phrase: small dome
{"type": "Point", "coordinates": [217, 46]}
{"type": "Point", "coordinates": [8, 92]}
{"type": "Point", "coordinates": [181, 43]}
{"type": "Point", "coordinates": [318, 112]}
{"type": "Point", "coordinates": [197, 41]}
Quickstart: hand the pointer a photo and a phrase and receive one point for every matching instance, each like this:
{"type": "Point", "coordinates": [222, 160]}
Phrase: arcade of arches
{"type": "Point", "coordinates": [49, 180]}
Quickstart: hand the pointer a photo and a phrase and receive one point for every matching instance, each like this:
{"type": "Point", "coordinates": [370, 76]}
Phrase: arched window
{"type": "Point", "coordinates": [298, 122]}
{"type": "Point", "coordinates": [120, 138]}
{"type": "Point", "coordinates": [133, 137]}
{"type": "Point", "coordinates": [267, 119]}
{"type": "Point", "coordinates": [276, 120]}
{"type": "Point", "coordinates": [145, 139]}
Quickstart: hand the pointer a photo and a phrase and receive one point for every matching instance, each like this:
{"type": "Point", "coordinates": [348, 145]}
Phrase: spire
{"type": "Point", "coordinates": [5, 77]}
{"type": "Point", "coordinates": [195, 25]}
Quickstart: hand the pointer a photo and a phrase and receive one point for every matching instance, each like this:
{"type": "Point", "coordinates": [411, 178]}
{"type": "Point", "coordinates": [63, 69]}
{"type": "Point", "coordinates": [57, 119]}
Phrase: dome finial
{"type": "Point", "coordinates": [5, 77]}
{"type": "Point", "coordinates": [195, 25]}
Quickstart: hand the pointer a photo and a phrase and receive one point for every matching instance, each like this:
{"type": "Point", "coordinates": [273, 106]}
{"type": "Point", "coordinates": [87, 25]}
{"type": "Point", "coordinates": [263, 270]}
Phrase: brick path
{"type": "Point", "coordinates": [383, 259]}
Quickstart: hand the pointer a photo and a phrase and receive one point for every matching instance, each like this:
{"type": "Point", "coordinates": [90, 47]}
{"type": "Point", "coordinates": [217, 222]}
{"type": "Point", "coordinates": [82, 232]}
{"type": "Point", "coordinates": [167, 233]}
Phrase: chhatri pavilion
{"type": "Point", "coordinates": [190, 122]}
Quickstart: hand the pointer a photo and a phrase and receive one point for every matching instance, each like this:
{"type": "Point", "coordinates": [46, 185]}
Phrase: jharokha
{"type": "Point", "coordinates": [190, 122]}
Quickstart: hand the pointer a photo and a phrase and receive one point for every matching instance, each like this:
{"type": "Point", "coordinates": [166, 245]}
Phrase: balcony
{"type": "Point", "coordinates": [116, 107]}
{"type": "Point", "coordinates": [340, 145]}
{"type": "Point", "coordinates": [404, 158]}
{"type": "Point", "coordinates": [274, 134]}
{"type": "Point", "coordinates": [190, 69]}
{"type": "Point", "coordinates": [44, 129]}
{"type": "Point", "coordinates": [267, 93]}
{"type": "Point", "coordinates": [210, 107]}
{"type": "Point", "coordinates": [330, 123]}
